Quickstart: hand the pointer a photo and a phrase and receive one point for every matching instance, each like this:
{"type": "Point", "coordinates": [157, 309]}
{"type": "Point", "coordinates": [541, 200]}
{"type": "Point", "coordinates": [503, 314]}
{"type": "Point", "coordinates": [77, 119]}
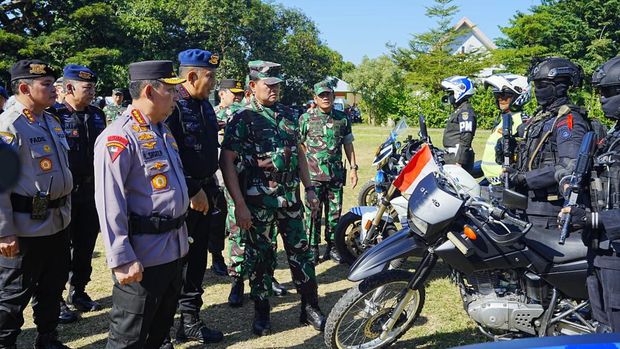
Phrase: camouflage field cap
{"type": "Point", "coordinates": [326, 85]}
{"type": "Point", "coordinates": [267, 71]}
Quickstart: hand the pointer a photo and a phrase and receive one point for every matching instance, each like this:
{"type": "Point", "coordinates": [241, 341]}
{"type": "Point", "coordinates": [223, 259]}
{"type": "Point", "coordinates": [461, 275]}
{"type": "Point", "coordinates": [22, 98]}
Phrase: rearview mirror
{"type": "Point", "coordinates": [513, 200]}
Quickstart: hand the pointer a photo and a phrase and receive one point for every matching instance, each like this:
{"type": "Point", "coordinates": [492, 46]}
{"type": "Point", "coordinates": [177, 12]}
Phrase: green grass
{"type": "Point", "coordinates": [442, 324]}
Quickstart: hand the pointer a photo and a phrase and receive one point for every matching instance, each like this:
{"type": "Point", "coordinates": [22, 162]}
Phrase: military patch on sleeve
{"type": "Point", "coordinates": [116, 145]}
{"type": "Point", "coordinates": [565, 133]}
{"type": "Point", "coordinates": [7, 137]}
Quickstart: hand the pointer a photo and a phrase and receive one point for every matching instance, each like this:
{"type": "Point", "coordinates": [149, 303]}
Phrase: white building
{"type": "Point", "coordinates": [469, 38]}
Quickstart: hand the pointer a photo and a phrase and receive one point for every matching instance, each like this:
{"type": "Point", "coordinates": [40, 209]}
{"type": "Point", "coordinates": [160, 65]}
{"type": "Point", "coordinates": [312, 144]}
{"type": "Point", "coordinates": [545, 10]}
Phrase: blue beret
{"type": "Point", "coordinates": [199, 58]}
{"type": "Point", "coordinates": [3, 93]}
{"type": "Point", "coordinates": [78, 73]}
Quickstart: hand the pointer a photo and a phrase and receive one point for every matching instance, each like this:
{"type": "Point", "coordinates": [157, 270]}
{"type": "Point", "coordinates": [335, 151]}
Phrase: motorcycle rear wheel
{"type": "Point", "coordinates": [347, 236]}
{"type": "Point", "coordinates": [357, 318]}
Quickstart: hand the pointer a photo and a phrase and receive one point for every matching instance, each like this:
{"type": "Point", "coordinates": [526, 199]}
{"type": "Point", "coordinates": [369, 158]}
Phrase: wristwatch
{"type": "Point", "coordinates": [354, 167]}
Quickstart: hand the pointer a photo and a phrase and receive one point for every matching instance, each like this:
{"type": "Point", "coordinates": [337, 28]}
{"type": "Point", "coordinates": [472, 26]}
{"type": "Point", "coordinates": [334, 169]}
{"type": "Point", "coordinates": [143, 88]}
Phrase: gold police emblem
{"type": "Point", "coordinates": [47, 148]}
{"type": "Point", "coordinates": [238, 84]}
{"type": "Point", "coordinates": [158, 166]}
{"type": "Point", "coordinates": [215, 59]}
{"type": "Point", "coordinates": [85, 75]}
{"type": "Point", "coordinates": [45, 164]}
{"type": "Point", "coordinates": [37, 68]}
{"type": "Point", "coordinates": [159, 181]}
{"type": "Point", "coordinates": [149, 145]}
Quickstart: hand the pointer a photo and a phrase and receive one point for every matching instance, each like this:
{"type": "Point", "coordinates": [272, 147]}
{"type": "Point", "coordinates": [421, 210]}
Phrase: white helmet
{"type": "Point", "coordinates": [512, 83]}
{"type": "Point", "coordinates": [460, 86]}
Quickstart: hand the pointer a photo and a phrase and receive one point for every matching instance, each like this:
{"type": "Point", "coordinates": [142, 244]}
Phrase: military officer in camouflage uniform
{"type": "Point", "coordinates": [116, 109]}
{"type": "Point", "coordinates": [35, 214]}
{"type": "Point", "coordinates": [265, 138]}
{"type": "Point", "coordinates": [231, 97]}
{"type": "Point", "coordinates": [324, 132]}
{"type": "Point", "coordinates": [142, 203]}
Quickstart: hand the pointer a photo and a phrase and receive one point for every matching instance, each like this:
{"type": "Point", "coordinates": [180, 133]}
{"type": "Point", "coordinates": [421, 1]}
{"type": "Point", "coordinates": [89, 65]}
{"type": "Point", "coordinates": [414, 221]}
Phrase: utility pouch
{"type": "Point", "coordinates": [40, 206]}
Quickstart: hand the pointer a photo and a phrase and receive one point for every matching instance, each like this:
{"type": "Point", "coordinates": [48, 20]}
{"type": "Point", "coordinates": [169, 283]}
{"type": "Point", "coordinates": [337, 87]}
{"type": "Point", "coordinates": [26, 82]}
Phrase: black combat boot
{"type": "Point", "coordinates": [218, 266]}
{"type": "Point", "coordinates": [311, 313]}
{"type": "Point", "coordinates": [278, 289]}
{"type": "Point", "coordinates": [48, 341]}
{"type": "Point", "coordinates": [81, 301]}
{"type": "Point", "coordinates": [262, 323]}
{"type": "Point", "coordinates": [191, 328]}
{"type": "Point", "coordinates": [331, 252]}
{"type": "Point", "coordinates": [235, 298]}
{"type": "Point", "coordinates": [315, 254]}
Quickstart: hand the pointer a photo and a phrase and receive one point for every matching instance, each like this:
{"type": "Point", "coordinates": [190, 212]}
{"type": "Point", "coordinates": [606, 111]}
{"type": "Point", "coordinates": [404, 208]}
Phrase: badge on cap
{"type": "Point", "coordinates": [116, 145]}
{"type": "Point", "coordinates": [215, 59]}
{"type": "Point", "coordinates": [45, 164]}
{"type": "Point", "coordinates": [85, 75]}
{"type": "Point", "coordinates": [37, 68]}
{"type": "Point", "coordinates": [159, 181]}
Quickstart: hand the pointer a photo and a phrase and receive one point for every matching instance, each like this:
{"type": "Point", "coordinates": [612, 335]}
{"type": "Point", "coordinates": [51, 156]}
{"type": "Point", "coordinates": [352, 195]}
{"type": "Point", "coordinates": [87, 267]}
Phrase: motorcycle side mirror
{"type": "Point", "coordinates": [513, 200]}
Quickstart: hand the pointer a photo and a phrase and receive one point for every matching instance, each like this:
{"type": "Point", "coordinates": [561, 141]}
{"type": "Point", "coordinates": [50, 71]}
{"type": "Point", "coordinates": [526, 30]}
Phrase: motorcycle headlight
{"type": "Point", "coordinates": [419, 226]}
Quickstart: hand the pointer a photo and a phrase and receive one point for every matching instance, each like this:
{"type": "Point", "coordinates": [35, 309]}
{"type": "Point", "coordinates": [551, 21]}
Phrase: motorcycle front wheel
{"type": "Point", "coordinates": [367, 195]}
{"type": "Point", "coordinates": [357, 319]}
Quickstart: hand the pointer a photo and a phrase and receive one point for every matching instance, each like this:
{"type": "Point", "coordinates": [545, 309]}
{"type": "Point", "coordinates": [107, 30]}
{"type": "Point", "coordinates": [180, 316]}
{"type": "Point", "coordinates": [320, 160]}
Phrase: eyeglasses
{"type": "Point", "coordinates": [503, 95]}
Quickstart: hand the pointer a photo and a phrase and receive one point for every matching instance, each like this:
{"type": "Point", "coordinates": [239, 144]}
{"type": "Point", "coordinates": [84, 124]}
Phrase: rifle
{"type": "Point", "coordinates": [506, 140]}
{"type": "Point", "coordinates": [578, 178]}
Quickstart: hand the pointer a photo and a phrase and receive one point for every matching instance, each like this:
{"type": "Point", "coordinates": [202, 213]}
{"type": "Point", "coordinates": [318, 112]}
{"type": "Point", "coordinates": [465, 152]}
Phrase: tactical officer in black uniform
{"type": "Point", "coordinates": [461, 125]}
{"type": "Point", "coordinates": [82, 124]}
{"type": "Point", "coordinates": [194, 126]}
{"type": "Point", "coordinates": [602, 225]}
{"type": "Point", "coordinates": [551, 140]}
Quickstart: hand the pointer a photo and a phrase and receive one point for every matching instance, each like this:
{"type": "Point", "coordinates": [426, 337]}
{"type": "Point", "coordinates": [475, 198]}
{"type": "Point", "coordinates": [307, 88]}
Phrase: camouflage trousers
{"type": "Point", "coordinates": [236, 246]}
{"type": "Point", "coordinates": [330, 204]}
{"type": "Point", "coordinates": [260, 255]}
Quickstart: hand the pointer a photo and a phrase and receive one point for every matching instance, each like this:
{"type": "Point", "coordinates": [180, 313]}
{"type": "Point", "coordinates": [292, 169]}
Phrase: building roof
{"type": "Point", "coordinates": [466, 24]}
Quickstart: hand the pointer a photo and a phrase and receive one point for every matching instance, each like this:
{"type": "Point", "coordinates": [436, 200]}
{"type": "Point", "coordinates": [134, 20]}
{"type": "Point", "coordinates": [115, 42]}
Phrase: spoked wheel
{"type": "Point", "coordinates": [367, 195]}
{"type": "Point", "coordinates": [347, 237]}
{"type": "Point", "coordinates": [357, 320]}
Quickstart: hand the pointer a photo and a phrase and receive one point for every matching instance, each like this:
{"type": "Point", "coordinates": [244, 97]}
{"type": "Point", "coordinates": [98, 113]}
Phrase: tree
{"type": "Point", "coordinates": [381, 84]}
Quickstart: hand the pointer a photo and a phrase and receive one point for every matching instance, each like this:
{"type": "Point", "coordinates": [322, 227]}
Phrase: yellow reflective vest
{"type": "Point", "coordinates": [492, 170]}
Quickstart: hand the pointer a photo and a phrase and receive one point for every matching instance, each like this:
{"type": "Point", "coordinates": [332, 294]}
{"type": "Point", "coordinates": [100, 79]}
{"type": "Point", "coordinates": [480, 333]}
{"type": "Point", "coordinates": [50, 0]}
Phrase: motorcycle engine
{"type": "Point", "coordinates": [497, 301]}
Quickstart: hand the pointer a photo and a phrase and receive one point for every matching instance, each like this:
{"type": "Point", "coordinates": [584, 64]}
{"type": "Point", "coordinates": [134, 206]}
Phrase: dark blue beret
{"type": "Point", "coordinates": [199, 58]}
{"type": "Point", "coordinates": [78, 73]}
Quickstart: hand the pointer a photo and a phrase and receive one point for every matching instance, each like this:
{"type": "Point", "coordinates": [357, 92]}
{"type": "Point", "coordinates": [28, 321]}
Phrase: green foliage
{"type": "Point", "coordinates": [108, 35]}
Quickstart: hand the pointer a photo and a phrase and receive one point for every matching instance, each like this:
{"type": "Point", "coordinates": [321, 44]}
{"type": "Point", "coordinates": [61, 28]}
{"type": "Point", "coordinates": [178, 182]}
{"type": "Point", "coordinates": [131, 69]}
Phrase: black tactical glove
{"type": "Point", "coordinates": [517, 179]}
{"type": "Point", "coordinates": [580, 218]}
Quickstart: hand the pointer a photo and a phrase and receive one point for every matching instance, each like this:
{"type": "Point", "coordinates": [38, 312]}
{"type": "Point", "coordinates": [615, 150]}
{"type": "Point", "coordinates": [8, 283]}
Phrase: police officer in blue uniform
{"type": "Point", "coordinates": [602, 224]}
{"type": "Point", "coordinates": [194, 125]}
{"type": "Point", "coordinates": [82, 124]}
{"type": "Point", "coordinates": [35, 213]}
{"type": "Point", "coordinates": [142, 202]}
{"type": "Point", "coordinates": [551, 139]}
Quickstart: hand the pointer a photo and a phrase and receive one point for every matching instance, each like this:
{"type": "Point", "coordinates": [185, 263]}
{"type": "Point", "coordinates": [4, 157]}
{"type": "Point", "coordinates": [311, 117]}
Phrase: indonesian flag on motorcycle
{"type": "Point", "coordinates": [420, 165]}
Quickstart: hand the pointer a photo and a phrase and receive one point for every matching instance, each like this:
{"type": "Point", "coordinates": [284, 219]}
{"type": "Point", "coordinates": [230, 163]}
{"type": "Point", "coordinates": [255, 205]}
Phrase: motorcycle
{"type": "Point", "coordinates": [389, 159]}
{"type": "Point", "coordinates": [367, 225]}
{"type": "Point", "coordinates": [514, 280]}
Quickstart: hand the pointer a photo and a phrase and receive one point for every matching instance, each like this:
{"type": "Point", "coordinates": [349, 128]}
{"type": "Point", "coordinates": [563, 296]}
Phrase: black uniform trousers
{"type": "Point", "coordinates": [39, 272]}
{"type": "Point", "coordinates": [83, 233]}
{"type": "Point", "coordinates": [204, 239]}
{"type": "Point", "coordinates": [142, 312]}
{"type": "Point", "coordinates": [604, 288]}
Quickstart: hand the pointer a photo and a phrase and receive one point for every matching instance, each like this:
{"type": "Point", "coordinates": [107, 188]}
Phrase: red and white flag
{"type": "Point", "coordinates": [420, 165]}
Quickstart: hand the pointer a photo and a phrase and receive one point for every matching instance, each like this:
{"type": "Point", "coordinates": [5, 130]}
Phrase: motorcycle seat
{"type": "Point", "coordinates": [545, 243]}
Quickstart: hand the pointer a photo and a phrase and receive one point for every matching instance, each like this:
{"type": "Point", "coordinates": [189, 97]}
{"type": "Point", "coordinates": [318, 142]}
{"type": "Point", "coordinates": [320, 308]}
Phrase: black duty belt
{"type": "Point", "coordinates": [154, 224]}
{"type": "Point", "coordinates": [23, 204]}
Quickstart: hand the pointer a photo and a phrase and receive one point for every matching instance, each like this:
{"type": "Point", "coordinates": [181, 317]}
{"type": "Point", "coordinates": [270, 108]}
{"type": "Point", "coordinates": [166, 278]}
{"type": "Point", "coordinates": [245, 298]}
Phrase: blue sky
{"type": "Point", "coordinates": [356, 28]}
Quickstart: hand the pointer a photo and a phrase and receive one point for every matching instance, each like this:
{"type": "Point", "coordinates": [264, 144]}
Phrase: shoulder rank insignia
{"type": "Point", "coordinates": [137, 116]}
{"type": "Point", "coordinates": [28, 114]}
{"type": "Point", "coordinates": [149, 145]}
{"type": "Point", "coordinates": [159, 181]}
{"type": "Point", "coordinates": [7, 137]}
{"type": "Point", "coordinates": [116, 145]}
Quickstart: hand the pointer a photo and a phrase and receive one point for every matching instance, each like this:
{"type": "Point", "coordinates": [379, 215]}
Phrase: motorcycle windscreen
{"type": "Point", "coordinates": [430, 208]}
{"type": "Point", "coordinates": [464, 179]}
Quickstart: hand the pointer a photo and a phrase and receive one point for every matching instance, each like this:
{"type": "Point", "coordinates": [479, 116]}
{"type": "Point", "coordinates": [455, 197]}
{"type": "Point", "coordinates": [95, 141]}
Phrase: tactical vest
{"type": "Point", "coordinates": [605, 182]}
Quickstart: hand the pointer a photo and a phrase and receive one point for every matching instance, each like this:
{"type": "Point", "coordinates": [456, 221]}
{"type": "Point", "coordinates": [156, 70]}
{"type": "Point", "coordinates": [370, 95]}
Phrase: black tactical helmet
{"type": "Point", "coordinates": [608, 74]}
{"type": "Point", "coordinates": [556, 68]}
